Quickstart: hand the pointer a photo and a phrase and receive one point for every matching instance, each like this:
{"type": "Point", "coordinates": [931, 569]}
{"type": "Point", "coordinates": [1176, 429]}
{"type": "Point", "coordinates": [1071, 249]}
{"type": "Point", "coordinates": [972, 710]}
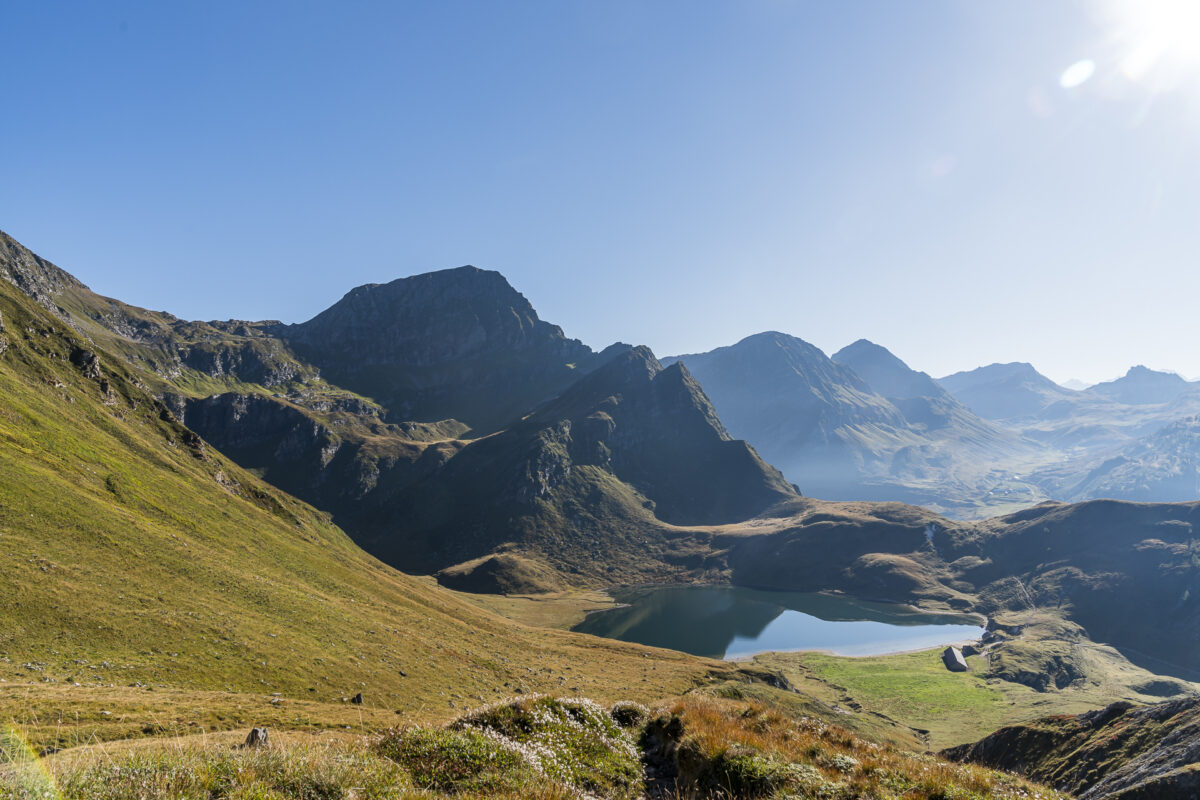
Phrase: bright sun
{"type": "Point", "coordinates": [1159, 40]}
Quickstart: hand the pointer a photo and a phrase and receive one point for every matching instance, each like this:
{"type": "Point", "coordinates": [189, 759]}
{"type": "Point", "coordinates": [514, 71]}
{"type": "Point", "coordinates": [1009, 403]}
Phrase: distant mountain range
{"type": "Point", "coordinates": [861, 425]}
{"type": "Point", "coordinates": [382, 390]}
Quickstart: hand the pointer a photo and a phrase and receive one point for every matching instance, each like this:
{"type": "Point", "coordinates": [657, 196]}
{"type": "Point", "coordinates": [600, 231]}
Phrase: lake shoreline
{"type": "Point", "coordinates": [737, 623]}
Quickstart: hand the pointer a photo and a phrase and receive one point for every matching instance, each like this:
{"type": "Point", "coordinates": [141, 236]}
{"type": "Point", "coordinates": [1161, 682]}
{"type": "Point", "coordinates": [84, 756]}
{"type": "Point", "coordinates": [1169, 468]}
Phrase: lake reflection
{"type": "Point", "coordinates": [732, 622]}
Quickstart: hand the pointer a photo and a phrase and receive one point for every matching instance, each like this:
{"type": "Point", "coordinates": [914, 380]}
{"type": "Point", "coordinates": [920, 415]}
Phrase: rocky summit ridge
{"type": "Point", "coordinates": [458, 343]}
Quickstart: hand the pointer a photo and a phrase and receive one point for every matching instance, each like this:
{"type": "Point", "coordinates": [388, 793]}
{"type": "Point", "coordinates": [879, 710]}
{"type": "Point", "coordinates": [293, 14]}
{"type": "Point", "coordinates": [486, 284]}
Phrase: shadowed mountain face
{"type": "Point", "coordinates": [587, 480]}
{"type": "Point", "coordinates": [459, 343]}
{"type": "Point", "coordinates": [1143, 386]}
{"type": "Point", "coordinates": [791, 401]}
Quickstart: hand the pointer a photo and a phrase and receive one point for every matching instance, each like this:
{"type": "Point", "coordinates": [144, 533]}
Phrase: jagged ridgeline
{"type": "Point", "coordinates": [442, 422]}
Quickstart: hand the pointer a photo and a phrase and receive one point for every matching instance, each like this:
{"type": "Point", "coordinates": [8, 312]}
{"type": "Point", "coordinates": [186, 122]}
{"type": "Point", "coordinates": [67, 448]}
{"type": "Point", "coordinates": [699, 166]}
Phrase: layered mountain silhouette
{"type": "Point", "coordinates": [1006, 391]}
{"type": "Point", "coordinates": [885, 433]}
{"type": "Point", "coordinates": [887, 375]}
{"type": "Point", "coordinates": [1143, 386]}
{"type": "Point", "coordinates": [587, 481]}
{"type": "Point", "coordinates": [146, 553]}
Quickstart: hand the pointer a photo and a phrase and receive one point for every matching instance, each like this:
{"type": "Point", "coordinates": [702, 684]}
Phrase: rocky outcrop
{"type": "Point", "coordinates": [257, 737]}
{"type": "Point", "coordinates": [262, 361]}
{"type": "Point", "coordinates": [33, 275]}
{"type": "Point", "coordinates": [1117, 752]}
{"type": "Point", "coordinates": [458, 343]}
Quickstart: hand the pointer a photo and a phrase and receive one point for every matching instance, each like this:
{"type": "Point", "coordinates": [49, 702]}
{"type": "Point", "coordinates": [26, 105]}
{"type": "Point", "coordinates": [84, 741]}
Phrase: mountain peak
{"type": "Point", "coordinates": [886, 374]}
{"type": "Point", "coordinates": [32, 274]}
{"type": "Point", "coordinates": [459, 343]}
{"type": "Point", "coordinates": [1142, 386]}
{"type": "Point", "coordinates": [1004, 391]}
{"type": "Point", "coordinates": [1141, 371]}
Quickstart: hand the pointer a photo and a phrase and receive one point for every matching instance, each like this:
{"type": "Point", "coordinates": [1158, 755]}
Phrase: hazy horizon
{"type": "Point", "coordinates": [962, 183]}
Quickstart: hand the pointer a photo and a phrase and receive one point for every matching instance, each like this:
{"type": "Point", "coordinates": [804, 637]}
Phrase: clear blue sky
{"type": "Point", "coordinates": [679, 174]}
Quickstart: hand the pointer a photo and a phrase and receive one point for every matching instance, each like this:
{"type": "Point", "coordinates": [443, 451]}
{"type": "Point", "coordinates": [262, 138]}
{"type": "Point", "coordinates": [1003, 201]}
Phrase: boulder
{"type": "Point", "coordinates": [952, 657]}
{"type": "Point", "coordinates": [88, 363]}
{"type": "Point", "coordinates": [357, 699]}
{"type": "Point", "coordinates": [256, 738]}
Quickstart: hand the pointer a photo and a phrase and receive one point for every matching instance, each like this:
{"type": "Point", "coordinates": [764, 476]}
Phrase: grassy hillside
{"type": "Point", "coordinates": [532, 748]}
{"type": "Point", "coordinates": [135, 555]}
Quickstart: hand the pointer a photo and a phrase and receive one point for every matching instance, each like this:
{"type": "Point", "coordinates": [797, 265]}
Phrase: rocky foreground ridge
{"type": "Point", "coordinates": [1121, 752]}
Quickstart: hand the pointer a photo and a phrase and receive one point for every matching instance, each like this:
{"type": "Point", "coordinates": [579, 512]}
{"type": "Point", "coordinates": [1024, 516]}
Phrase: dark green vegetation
{"type": "Point", "coordinates": [1116, 752]}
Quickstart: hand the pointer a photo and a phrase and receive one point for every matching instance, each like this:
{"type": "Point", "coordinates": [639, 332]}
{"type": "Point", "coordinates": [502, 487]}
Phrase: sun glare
{"type": "Point", "coordinates": [1077, 74]}
{"type": "Point", "coordinates": [1159, 39]}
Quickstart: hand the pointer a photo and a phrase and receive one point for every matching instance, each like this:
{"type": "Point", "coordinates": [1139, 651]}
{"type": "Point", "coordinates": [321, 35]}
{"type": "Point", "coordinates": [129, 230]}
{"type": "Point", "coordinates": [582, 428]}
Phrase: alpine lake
{"type": "Point", "coordinates": [732, 622]}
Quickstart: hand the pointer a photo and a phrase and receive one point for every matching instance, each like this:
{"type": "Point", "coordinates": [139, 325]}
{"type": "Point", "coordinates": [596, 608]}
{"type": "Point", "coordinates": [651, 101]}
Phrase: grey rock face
{"type": "Point", "coordinates": [88, 363]}
{"type": "Point", "coordinates": [258, 737]}
{"type": "Point", "coordinates": [1116, 752]}
{"type": "Point", "coordinates": [1143, 386]}
{"type": "Point", "coordinates": [841, 437]}
{"type": "Point", "coordinates": [1006, 391]}
{"type": "Point", "coordinates": [264, 361]}
{"type": "Point", "coordinates": [459, 343]}
{"type": "Point", "coordinates": [885, 374]}
{"type": "Point", "coordinates": [33, 275]}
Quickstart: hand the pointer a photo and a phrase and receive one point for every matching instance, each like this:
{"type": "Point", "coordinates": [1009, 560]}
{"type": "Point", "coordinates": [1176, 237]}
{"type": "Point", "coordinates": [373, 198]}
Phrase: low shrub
{"type": "Point", "coordinates": [462, 760]}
